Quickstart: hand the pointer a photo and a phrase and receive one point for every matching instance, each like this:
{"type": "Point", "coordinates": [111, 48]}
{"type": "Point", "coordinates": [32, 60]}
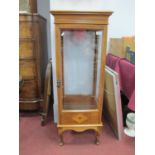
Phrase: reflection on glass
{"type": "Point", "coordinates": [81, 54]}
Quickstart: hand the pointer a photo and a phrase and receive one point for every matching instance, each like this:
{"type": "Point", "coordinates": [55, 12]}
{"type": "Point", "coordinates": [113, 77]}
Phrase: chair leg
{"type": "Point", "coordinates": [43, 119]}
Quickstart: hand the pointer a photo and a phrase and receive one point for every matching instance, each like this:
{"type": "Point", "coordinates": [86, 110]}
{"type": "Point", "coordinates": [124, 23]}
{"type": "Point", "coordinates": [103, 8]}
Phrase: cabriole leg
{"type": "Point", "coordinates": [97, 140]}
{"type": "Point", "coordinates": [61, 143]}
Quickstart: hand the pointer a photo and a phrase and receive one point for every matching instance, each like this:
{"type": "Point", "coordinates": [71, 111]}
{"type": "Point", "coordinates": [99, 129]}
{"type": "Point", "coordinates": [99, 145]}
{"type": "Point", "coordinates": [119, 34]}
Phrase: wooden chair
{"type": "Point", "coordinates": [47, 93]}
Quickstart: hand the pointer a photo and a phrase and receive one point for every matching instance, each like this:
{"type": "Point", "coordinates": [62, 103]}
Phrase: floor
{"type": "Point", "coordinates": [38, 140]}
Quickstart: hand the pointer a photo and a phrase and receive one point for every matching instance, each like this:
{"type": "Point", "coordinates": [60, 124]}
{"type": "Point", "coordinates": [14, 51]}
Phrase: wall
{"type": "Point", "coordinates": [121, 22]}
{"type": "Point", "coordinates": [43, 7]}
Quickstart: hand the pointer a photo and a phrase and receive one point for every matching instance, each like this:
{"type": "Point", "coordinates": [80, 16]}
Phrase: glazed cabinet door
{"type": "Point", "coordinates": [79, 77]}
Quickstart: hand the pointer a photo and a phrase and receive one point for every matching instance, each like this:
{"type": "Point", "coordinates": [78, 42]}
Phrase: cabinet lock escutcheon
{"type": "Point", "coordinates": [58, 83]}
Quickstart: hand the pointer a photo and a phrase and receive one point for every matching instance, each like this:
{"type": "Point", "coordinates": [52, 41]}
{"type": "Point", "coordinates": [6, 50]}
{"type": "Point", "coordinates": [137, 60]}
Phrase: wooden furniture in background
{"type": "Point", "coordinates": [29, 6]}
{"type": "Point", "coordinates": [47, 93]}
{"type": "Point", "coordinates": [32, 59]}
{"type": "Point", "coordinates": [118, 46]}
{"type": "Point", "coordinates": [81, 39]}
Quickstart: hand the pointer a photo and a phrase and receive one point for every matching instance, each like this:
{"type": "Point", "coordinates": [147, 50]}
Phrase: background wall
{"type": "Point", "coordinates": [43, 7]}
{"type": "Point", "coordinates": [121, 22]}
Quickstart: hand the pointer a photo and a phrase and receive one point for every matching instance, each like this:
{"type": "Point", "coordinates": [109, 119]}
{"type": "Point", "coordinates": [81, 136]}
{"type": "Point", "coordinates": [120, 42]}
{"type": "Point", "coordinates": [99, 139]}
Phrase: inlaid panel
{"type": "Point", "coordinates": [79, 117]}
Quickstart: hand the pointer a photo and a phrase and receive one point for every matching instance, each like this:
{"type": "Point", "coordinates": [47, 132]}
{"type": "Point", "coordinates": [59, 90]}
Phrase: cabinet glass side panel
{"type": "Point", "coordinates": [81, 53]}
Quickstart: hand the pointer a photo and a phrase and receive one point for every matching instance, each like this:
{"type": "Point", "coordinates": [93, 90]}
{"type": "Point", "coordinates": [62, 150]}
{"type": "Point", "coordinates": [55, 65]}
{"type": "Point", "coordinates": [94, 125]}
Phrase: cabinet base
{"type": "Point", "coordinates": [79, 128]}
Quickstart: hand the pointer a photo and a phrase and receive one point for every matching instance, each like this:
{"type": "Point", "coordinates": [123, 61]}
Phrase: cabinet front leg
{"type": "Point", "coordinates": [98, 132]}
{"type": "Point", "coordinates": [97, 141]}
{"type": "Point", "coordinates": [61, 143]}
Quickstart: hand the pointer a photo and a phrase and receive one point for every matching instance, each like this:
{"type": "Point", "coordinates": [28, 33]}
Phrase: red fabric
{"type": "Point", "coordinates": [126, 72]}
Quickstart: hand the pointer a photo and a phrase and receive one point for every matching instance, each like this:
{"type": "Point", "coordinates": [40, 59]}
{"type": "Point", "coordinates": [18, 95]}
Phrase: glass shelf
{"type": "Point", "coordinates": [79, 103]}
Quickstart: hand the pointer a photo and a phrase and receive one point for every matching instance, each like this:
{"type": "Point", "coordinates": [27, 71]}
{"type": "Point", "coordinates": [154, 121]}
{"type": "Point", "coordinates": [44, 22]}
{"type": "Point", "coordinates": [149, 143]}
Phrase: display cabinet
{"type": "Point", "coordinates": [81, 39]}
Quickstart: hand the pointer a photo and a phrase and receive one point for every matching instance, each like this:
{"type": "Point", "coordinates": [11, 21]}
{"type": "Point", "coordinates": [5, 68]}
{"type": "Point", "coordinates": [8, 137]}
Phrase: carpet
{"type": "Point", "coordinates": [37, 140]}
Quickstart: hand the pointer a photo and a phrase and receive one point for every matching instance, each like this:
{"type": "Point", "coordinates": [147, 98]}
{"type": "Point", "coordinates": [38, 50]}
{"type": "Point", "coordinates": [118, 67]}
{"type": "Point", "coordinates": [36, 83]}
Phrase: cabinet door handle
{"type": "Point", "coordinates": [58, 83]}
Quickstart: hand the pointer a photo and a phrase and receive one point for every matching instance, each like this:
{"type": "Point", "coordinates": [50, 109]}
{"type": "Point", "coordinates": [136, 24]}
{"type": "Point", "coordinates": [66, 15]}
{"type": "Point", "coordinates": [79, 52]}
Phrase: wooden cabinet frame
{"type": "Point", "coordinates": [83, 119]}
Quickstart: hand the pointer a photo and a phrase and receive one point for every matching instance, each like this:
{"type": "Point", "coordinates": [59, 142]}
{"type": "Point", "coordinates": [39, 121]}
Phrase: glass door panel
{"type": "Point", "coordinates": [81, 54]}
